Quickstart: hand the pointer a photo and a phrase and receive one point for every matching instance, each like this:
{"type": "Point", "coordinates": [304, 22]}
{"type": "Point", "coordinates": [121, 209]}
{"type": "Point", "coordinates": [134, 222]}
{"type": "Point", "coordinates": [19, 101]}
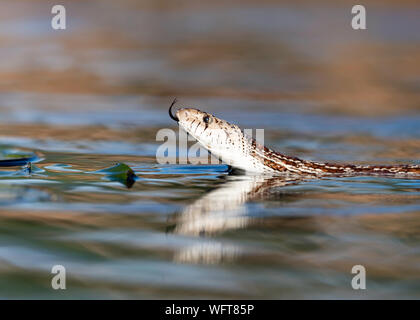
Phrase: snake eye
{"type": "Point", "coordinates": [207, 119]}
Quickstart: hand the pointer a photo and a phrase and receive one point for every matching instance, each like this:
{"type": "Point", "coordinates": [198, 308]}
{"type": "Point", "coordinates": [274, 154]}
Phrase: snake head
{"type": "Point", "coordinates": [204, 126]}
{"type": "Point", "coordinates": [223, 139]}
{"type": "Point", "coordinates": [192, 119]}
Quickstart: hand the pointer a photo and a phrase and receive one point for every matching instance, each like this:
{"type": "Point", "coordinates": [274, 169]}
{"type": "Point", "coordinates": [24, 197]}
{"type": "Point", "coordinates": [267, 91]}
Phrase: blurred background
{"type": "Point", "coordinates": [118, 65]}
{"type": "Point", "coordinates": [96, 93]}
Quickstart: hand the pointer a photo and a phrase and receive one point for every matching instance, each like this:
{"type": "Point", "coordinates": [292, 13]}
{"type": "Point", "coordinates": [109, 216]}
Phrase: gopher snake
{"type": "Point", "coordinates": [227, 142]}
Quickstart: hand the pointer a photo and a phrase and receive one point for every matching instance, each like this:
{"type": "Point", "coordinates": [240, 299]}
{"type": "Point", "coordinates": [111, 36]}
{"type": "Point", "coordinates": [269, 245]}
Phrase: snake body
{"type": "Point", "coordinates": [227, 142]}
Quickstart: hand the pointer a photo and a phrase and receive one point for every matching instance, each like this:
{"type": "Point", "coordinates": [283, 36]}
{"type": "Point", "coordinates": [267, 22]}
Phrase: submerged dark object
{"type": "Point", "coordinates": [17, 162]}
{"type": "Point", "coordinates": [120, 173]}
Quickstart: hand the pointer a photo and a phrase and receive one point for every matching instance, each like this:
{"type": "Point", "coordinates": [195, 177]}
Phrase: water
{"type": "Point", "coordinates": [88, 98]}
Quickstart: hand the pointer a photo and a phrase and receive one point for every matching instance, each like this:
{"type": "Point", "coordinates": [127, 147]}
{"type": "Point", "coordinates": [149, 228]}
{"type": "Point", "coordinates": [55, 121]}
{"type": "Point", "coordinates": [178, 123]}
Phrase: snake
{"type": "Point", "coordinates": [229, 143]}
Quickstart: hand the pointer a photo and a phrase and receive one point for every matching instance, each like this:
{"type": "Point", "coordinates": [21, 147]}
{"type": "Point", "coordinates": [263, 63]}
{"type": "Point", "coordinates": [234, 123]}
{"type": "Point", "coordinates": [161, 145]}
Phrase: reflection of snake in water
{"type": "Point", "coordinates": [223, 208]}
{"type": "Point", "coordinates": [227, 142]}
{"type": "Point", "coordinates": [220, 210]}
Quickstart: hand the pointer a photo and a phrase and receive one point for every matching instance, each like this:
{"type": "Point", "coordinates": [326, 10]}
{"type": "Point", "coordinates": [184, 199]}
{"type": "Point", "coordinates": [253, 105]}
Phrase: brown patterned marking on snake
{"type": "Point", "coordinates": [280, 162]}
